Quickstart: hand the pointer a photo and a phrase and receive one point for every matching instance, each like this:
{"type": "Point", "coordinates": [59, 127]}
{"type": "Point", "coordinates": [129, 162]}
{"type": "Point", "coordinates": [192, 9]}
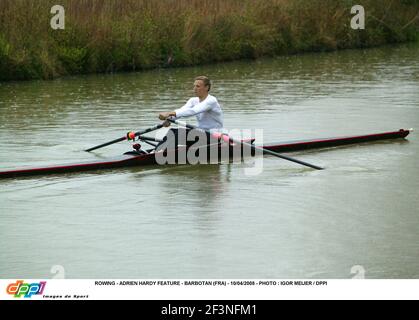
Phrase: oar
{"type": "Point", "coordinates": [130, 135]}
{"type": "Point", "coordinates": [253, 147]}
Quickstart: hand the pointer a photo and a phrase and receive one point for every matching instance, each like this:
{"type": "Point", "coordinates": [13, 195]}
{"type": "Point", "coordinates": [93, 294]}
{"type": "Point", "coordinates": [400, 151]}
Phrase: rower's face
{"type": "Point", "coordinates": [199, 88]}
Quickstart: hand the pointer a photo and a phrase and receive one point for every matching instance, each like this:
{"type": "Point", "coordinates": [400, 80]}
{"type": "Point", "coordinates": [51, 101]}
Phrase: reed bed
{"type": "Point", "coordinates": [130, 35]}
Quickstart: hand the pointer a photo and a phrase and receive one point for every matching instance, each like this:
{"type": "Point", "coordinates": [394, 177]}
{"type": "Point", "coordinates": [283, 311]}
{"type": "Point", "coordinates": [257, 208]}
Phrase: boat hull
{"type": "Point", "coordinates": [132, 159]}
{"type": "Point", "coordinates": [335, 142]}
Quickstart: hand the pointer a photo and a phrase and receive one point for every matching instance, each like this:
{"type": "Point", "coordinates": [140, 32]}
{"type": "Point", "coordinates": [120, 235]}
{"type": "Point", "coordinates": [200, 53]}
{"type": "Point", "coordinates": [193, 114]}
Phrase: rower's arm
{"type": "Point", "coordinates": [164, 115]}
{"type": "Point", "coordinates": [188, 105]}
{"type": "Point", "coordinates": [187, 111]}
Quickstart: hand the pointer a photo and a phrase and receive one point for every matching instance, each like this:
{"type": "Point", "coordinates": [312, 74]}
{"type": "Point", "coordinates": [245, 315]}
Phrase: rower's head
{"type": "Point", "coordinates": [202, 86]}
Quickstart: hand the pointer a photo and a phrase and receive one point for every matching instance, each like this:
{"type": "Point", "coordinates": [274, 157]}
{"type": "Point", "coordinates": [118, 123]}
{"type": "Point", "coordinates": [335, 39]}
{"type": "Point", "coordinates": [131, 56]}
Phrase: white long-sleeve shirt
{"type": "Point", "coordinates": [208, 112]}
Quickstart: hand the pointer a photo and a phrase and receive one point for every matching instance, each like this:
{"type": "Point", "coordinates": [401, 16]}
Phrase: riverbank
{"type": "Point", "coordinates": [111, 36]}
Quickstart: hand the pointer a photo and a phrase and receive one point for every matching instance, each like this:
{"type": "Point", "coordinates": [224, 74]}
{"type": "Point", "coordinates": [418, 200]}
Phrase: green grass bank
{"type": "Point", "coordinates": [131, 35]}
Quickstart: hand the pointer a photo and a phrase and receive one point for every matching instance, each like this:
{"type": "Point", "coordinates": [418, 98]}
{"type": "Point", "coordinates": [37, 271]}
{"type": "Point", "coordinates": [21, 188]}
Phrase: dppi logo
{"type": "Point", "coordinates": [27, 290]}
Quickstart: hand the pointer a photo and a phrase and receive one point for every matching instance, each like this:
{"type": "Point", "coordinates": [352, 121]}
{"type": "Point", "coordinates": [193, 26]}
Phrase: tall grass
{"type": "Point", "coordinates": [111, 35]}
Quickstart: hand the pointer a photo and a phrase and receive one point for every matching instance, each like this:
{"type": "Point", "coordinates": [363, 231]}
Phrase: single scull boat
{"type": "Point", "coordinates": [134, 158]}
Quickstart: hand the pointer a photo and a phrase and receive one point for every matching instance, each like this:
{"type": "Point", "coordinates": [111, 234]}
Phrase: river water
{"type": "Point", "coordinates": [359, 217]}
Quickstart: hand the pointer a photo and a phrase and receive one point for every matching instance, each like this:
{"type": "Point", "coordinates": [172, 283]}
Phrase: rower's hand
{"type": "Point", "coordinates": [165, 115]}
{"type": "Point", "coordinates": [166, 123]}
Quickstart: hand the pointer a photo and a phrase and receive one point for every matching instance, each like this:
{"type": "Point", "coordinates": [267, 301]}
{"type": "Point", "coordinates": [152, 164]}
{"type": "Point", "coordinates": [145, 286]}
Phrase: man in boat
{"type": "Point", "coordinates": [204, 106]}
{"type": "Point", "coordinates": [208, 114]}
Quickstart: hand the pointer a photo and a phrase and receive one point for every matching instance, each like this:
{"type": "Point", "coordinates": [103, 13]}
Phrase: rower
{"type": "Point", "coordinates": [204, 106]}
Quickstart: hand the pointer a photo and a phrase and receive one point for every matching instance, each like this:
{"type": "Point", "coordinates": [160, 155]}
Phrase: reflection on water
{"type": "Point", "coordinates": [214, 221]}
